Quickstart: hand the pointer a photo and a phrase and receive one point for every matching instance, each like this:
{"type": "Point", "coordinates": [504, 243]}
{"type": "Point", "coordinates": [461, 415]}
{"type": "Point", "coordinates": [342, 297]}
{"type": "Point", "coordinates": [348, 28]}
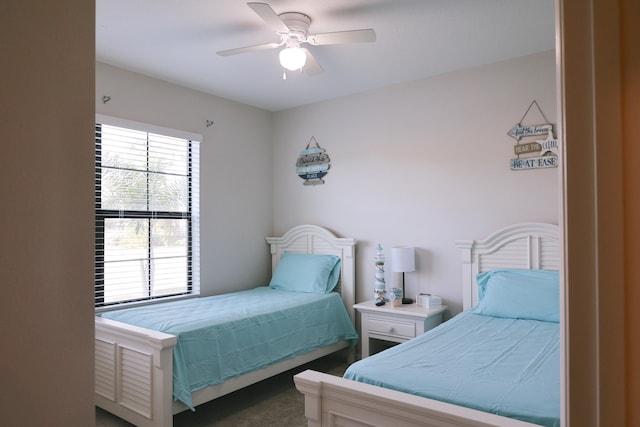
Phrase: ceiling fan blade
{"type": "Point", "coordinates": [245, 49]}
{"type": "Point", "coordinates": [340, 37]}
{"type": "Point", "coordinates": [268, 15]}
{"type": "Point", "coordinates": [311, 66]}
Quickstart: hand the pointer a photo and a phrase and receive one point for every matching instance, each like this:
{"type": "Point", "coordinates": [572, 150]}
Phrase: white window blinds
{"type": "Point", "coordinates": [147, 214]}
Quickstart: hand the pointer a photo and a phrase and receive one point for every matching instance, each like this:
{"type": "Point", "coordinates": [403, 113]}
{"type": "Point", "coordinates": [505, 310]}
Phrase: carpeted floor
{"type": "Point", "coordinates": [274, 402]}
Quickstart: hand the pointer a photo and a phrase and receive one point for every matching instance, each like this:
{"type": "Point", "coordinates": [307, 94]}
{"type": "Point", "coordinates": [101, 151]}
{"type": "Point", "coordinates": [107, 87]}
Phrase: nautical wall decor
{"type": "Point", "coordinates": [313, 163]}
{"type": "Point", "coordinates": [532, 152]}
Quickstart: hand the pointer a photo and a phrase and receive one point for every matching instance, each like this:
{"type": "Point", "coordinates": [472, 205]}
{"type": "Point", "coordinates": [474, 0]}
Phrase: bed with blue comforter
{"type": "Point", "coordinates": [225, 336]}
{"type": "Point", "coordinates": [502, 357]}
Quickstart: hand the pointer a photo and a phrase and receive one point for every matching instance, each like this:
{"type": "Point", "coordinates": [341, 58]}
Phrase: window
{"type": "Point", "coordinates": [147, 213]}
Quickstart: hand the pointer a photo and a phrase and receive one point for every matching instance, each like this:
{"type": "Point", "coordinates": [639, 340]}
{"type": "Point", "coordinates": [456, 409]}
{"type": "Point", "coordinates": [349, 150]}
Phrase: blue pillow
{"type": "Point", "coordinates": [519, 294]}
{"type": "Point", "coordinates": [314, 273]}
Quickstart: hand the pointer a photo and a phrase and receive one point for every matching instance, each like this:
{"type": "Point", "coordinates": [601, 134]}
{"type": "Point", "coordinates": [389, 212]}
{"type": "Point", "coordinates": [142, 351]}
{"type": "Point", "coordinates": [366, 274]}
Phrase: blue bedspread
{"type": "Point", "coordinates": [504, 366]}
{"type": "Point", "coordinates": [223, 336]}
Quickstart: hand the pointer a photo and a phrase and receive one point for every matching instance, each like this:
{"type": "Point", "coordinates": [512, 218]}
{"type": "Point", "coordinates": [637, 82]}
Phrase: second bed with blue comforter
{"type": "Point", "coordinates": [502, 357]}
{"type": "Point", "coordinates": [224, 336]}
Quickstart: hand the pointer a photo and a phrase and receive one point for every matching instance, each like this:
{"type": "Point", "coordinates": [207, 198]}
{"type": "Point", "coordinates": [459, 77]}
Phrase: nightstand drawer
{"type": "Point", "coordinates": [392, 327]}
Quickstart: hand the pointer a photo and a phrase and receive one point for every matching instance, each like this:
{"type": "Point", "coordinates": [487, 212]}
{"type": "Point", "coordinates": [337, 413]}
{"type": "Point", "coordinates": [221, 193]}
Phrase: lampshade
{"type": "Point", "coordinates": [292, 58]}
{"type": "Point", "coordinates": [403, 259]}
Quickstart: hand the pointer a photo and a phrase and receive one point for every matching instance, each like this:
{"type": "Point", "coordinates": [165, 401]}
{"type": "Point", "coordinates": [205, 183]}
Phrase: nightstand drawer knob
{"type": "Point", "coordinates": [391, 330]}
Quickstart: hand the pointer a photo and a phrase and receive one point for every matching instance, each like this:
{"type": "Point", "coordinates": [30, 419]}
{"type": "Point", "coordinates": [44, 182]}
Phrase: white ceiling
{"type": "Point", "coordinates": [177, 41]}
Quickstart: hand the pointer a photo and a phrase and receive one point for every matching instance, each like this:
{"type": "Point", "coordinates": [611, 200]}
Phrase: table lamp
{"type": "Point", "coordinates": [403, 260]}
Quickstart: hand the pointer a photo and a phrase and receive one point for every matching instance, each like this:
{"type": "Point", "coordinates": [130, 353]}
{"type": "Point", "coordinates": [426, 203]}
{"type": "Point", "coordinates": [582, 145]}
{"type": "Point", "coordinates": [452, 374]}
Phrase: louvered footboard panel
{"type": "Point", "coordinates": [124, 376]}
{"type": "Point", "coordinates": [135, 381]}
{"type": "Point", "coordinates": [105, 369]}
{"type": "Point", "coordinates": [133, 373]}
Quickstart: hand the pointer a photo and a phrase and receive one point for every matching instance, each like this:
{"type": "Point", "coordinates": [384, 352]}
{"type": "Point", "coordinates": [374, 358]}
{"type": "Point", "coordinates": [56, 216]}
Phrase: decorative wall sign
{"type": "Point", "coordinates": [313, 163]}
{"type": "Point", "coordinates": [534, 163]}
{"type": "Point", "coordinates": [536, 153]}
{"type": "Point", "coordinates": [518, 131]}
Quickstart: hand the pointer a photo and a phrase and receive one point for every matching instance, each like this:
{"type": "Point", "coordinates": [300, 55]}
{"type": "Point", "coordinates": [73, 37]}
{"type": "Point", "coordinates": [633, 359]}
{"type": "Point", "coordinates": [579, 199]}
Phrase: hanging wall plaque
{"type": "Point", "coordinates": [313, 163]}
{"type": "Point", "coordinates": [534, 153]}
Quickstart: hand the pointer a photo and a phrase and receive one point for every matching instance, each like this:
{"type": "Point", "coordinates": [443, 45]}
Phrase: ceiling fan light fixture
{"type": "Point", "coordinates": [293, 30]}
{"type": "Point", "coordinates": [293, 58]}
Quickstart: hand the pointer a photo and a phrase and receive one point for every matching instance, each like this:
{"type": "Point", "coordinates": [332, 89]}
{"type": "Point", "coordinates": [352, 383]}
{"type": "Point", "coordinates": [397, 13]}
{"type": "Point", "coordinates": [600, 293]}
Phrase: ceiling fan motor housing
{"type": "Point", "coordinates": [298, 24]}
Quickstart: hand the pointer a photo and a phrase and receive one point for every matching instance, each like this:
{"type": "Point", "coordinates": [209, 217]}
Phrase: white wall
{"type": "Point", "coordinates": [423, 164]}
{"type": "Point", "coordinates": [236, 190]}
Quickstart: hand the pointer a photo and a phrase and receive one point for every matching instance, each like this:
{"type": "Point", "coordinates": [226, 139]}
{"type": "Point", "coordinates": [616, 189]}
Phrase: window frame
{"type": "Point", "coordinates": [192, 214]}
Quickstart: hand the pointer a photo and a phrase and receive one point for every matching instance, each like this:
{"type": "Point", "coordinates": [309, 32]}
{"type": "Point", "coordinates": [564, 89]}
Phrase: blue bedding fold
{"type": "Point", "coordinates": [224, 336]}
{"type": "Point", "coordinates": [504, 366]}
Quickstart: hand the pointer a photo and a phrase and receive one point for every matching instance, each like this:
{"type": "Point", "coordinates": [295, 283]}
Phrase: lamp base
{"type": "Point", "coordinates": [405, 300]}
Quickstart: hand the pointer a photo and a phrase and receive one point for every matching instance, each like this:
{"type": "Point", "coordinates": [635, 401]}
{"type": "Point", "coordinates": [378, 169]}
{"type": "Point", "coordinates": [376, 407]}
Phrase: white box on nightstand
{"type": "Point", "coordinates": [428, 300]}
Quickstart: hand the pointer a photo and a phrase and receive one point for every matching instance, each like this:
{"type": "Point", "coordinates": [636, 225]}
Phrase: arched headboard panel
{"type": "Point", "coordinates": [313, 239]}
{"type": "Point", "coordinates": [528, 245]}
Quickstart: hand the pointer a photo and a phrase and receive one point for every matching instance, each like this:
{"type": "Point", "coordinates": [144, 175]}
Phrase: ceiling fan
{"type": "Point", "coordinates": [293, 30]}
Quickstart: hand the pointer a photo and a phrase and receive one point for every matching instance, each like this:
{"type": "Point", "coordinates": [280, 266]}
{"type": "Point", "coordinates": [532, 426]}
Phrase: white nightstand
{"type": "Point", "coordinates": [396, 324]}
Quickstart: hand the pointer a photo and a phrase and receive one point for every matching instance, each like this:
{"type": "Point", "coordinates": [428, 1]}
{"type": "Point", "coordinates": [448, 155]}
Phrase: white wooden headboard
{"type": "Point", "coordinates": [313, 239]}
{"type": "Point", "coordinates": [521, 246]}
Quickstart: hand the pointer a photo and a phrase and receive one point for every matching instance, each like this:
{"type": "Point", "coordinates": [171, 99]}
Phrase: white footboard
{"type": "Point", "coordinates": [133, 373]}
{"type": "Point", "coordinates": [335, 401]}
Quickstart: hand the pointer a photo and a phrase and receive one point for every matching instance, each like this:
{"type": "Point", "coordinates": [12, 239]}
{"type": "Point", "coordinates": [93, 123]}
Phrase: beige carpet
{"type": "Point", "coordinates": [271, 403]}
